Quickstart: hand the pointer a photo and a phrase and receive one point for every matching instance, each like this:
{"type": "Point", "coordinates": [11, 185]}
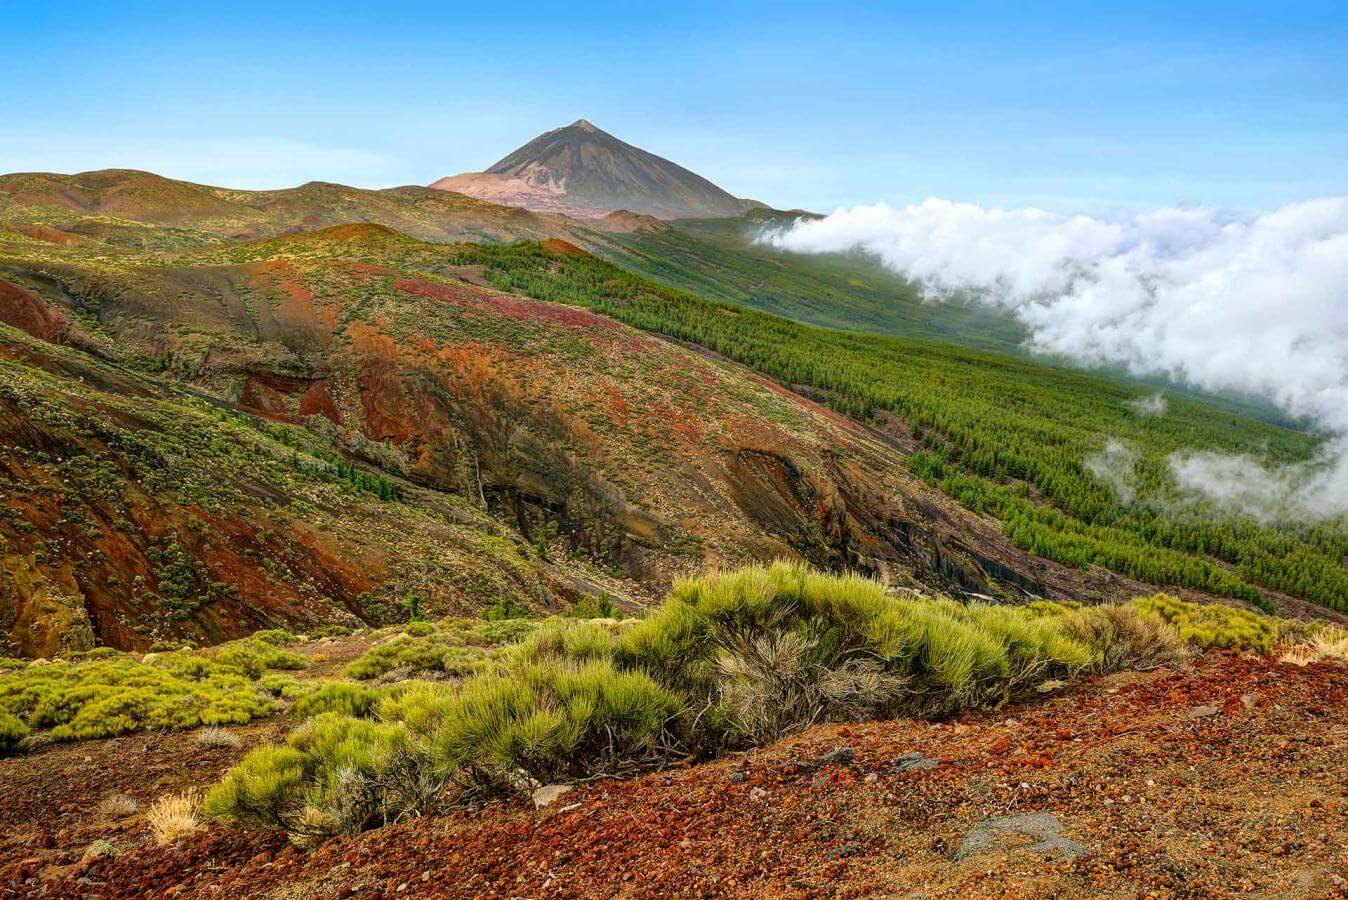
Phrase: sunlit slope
{"type": "Point", "coordinates": [719, 259]}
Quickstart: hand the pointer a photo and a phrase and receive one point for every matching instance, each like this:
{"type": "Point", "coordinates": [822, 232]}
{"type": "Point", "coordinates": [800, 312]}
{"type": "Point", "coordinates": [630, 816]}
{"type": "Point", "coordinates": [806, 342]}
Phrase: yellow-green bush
{"type": "Point", "coordinates": [452, 646]}
{"type": "Point", "coordinates": [1209, 625]}
{"type": "Point", "coordinates": [770, 649]}
{"type": "Point", "coordinates": [554, 720]}
{"type": "Point", "coordinates": [335, 696]}
{"type": "Point", "coordinates": [108, 693]}
{"type": "Point", "coordinates": [12, 733]}
{"type": "Point", "coordinates": [254, 655]}
{"type": "Point", "coordinates": [334, 775]}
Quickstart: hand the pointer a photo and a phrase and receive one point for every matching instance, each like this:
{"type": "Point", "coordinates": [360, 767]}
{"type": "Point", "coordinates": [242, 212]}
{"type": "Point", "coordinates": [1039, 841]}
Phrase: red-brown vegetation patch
{"type": "Point", "coordinates": [44, 234]}
{"type": "Point", "coordinates": [502, 306]}
{"type": "Point", "coordinates": [25, 310]}
{"type": "Point", "coordinates": [563, 248]}
{"type": "Point", "coordinates": [364, 271]}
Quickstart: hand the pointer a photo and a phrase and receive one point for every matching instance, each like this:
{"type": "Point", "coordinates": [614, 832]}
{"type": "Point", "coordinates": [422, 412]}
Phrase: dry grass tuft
{"type": "Point", "coordinates": [1317, 649]}
{"type": "Point", "coordinates": [173, 816]}
{"type": "Point", "coordinates": [118, 806]}
{"type": "Point", "coordinates": [218, 737]}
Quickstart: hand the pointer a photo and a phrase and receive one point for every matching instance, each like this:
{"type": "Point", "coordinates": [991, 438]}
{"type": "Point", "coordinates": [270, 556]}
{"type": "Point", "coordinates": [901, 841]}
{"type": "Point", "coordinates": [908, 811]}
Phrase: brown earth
{"type": "Point", "coordinates": [1221, 779]}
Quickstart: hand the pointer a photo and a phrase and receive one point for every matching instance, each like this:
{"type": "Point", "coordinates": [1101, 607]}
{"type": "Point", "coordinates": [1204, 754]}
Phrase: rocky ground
{"type": "Point", "coordinates": [1222, 779]}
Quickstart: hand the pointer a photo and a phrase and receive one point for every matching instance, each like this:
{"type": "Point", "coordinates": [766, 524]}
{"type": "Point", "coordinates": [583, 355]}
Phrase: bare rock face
{"type": "Point", "coordinates": [582, 171]}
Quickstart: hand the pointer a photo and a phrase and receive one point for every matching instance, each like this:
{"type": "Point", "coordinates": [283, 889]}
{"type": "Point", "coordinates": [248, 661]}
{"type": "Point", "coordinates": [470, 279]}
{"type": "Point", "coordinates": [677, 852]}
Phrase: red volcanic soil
{"type": "Point", "coordinates": [1223, 778]}
{"type": "Point", "coordinates": [563, 248]}
{"type": "Point", "coordinates": [25, 311]}
{"type": "Point", "coordinates": [44, 234]}
{"type": "Point", "coordinates": [502, 306]}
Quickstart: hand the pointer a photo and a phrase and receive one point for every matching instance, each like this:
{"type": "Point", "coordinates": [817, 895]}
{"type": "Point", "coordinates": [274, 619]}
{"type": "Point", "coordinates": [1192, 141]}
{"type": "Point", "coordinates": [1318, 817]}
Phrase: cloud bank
{"type": "Point", "coordinates": [1255, 305]}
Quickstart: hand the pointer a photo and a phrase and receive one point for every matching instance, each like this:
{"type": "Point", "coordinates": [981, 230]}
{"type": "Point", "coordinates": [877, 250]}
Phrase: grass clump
{"type": "Point", "coordinates": [452, 647]}
{"type": "Point", "coordinates": [12, 733]}
{"type": "Point", "coordinates": [112, 694]}
{"type": "Point", "coordinates": [1125, 636]}
{"type": "Point", "coordinates": [553, 720]}
{"type": "Point", "coordinates": [1212, 625]}
{"type": "Point", "coordinates": [119, 806]}
{"type": "Point", "coordinates": [336, 696]}
{"type": "Point", "coordinates": [769, 650]}
{"type": "Point", "coordinates": [173, 816]}
{"type": "Point", "coordinates": [218, 737]}
{"type": "Point", "coordinates": [334, 775]}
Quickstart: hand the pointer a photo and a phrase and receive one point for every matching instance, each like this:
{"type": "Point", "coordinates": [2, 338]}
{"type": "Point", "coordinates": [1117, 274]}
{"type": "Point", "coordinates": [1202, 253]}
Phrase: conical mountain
{"type": "Point", "coordinates": [581, 170]}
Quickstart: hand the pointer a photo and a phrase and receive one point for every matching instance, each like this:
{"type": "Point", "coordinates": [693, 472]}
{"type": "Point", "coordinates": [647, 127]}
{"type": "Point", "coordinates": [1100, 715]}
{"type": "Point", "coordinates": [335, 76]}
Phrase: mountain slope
{"type": "Point", "coordinates": [713, 257]}
{"type": "Point", "coordinates": [103, 203]}
{"type": "Point", "coordinates": [582, 171]}
{"type": "Point", "coordinates": [304, 429]}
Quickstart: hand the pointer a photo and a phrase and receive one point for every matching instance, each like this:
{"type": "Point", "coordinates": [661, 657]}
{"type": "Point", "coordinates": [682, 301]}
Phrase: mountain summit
{"type": "Point", "coordinates": [583, 171]}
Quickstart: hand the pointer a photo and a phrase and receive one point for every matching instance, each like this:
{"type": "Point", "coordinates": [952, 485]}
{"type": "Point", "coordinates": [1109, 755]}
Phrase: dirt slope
{"type": "Point", "coordinates": [1218, 780]}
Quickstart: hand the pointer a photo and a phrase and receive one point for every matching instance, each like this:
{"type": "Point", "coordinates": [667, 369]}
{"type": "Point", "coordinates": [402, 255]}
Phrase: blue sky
{"type": "Point", "coordinates": [1068, 106]}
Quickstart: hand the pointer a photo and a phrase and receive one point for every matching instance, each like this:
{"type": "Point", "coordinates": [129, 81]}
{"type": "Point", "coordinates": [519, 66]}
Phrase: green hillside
{"type": "Point", "coordinates": [718, 258]}
{"type": "Point", "coordinates": [1004, 436]}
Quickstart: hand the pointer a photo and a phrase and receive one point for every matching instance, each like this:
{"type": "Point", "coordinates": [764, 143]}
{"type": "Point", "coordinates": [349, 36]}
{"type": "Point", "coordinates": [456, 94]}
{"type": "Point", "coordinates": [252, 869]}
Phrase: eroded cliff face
{"type": "Point", "coordinates": [185, 443]}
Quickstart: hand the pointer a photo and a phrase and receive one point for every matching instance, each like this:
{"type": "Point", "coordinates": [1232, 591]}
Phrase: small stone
{"type": "Point", "coordinates": [839, 756]}
{"type": "Point", "coordinates": [549, 793]}
{"type": "Point", "coordinates": [1044, 827]}
{"type": "Point", "coordinates": [1247, 701]}
{"type": "Point", "coordinates": [737, 777]}
{"type": "Point", "coordinates": [909, 761]}
{"type": "Point", "coordinates": [1203, 712]}
{"type": "Point", "coordinates": [845, 851]}
{"type": "Point", "coordinates": [757, 793]}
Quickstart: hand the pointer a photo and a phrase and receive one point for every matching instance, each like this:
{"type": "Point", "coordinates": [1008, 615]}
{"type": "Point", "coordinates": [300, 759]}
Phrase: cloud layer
{"type": "Point", "coordinates": [1257, 305]}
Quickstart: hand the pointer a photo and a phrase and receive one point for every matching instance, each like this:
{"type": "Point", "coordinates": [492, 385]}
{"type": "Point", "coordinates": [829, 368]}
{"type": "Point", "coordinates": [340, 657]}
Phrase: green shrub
{"type": "Point", "coordinates": [1125, 636]}
{"type": "Point", "coordinates": [767, 650]}
{"type": "Point", "coordinates": [111, 695]}
{"type": "Point", "coordinates": [255, 655]}
{"type": "Point", "coordinates": [1209, 625]}
{"type": "Point", "coordinates": [275, 637]}
{"type": "Point", "coordinates": [338, 697]}
{"type": "Point", "coordinates": [599, 606]}
{"type": "Point", "coordinates": [278, 684]}
{"type": "Point", "coordinates": [12, 733]}
{"type": "Point", "coordinates": [334, 775]}
{"type": "Point", "coordinates": [452, 646]}
{"type": "Point", "coordinates": [729, 660]}
{"type": "Point", "coordinates": [554, 720]}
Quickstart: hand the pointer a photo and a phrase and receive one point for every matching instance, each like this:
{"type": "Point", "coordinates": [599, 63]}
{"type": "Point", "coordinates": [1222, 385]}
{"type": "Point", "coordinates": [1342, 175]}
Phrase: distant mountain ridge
{"type": "Point", "coordinates": [583, 171]}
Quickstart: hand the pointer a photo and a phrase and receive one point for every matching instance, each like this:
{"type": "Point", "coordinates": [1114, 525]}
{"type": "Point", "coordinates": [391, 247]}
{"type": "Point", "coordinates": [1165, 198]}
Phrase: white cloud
{"type": "Point", "coordinates": [1150, 405]}
{"type": "Point", "coordinates": [1310, 491]}
{"type": "Point", "coordinates": [1254, 305]}
{"type": "Point", "coordinates": [1115, 466]}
